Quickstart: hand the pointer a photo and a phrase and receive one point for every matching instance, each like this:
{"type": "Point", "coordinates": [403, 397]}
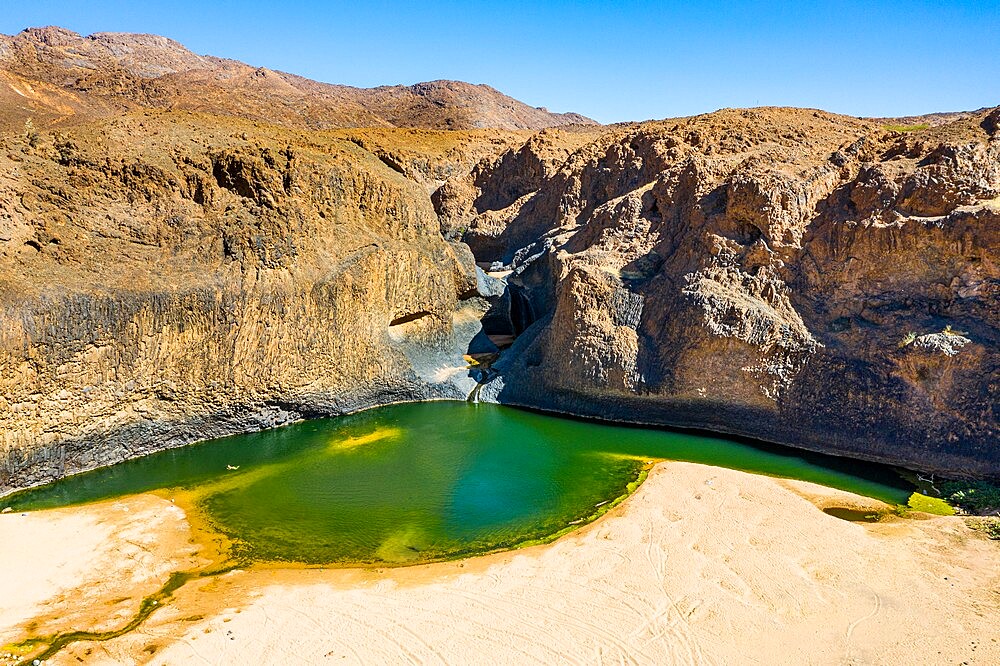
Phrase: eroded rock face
{"type": "Point", "coordinates": [791, 275]}
{"type": "Point", "coordinates": [166, 278]}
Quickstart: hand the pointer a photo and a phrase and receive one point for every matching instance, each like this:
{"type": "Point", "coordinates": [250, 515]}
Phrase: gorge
{"type": "Point", "coordinates": [193, 248]}
{"type": "Point", "coordinates": [173, 274]}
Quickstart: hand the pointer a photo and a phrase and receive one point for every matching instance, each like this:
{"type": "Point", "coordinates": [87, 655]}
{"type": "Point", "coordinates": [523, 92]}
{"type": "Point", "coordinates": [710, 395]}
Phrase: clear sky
{"type": "Point", "coordinates": [613, 61]}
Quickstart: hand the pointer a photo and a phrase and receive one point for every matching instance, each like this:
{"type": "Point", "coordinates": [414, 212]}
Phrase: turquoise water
{"type": "Point", "coordinates": [425, 481]}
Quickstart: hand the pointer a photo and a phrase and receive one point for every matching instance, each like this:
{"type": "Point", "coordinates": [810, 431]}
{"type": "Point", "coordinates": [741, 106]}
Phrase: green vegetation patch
{"type": "Point", "coordinates": [975, 497]}
{"type": "Point", "coordinates": [988, 526]}
{"type": "Point", "coordinates": [906, 128]}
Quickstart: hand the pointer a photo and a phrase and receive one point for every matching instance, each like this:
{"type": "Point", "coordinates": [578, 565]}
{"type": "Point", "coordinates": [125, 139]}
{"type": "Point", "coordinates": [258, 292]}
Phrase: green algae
{"type": "Point", "coordinates": [55, 643]}
{"type": "Point", "coordinates": [932, 505]}
{"type": "Point", "coordinates": [601, 509]}
{"type": "Point", "coordinates": [424, 482]}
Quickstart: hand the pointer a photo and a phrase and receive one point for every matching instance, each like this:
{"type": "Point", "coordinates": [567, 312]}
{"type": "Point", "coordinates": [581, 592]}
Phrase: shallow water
{"type": "Point", "coordinates": [854, 515]}
{"type": "Point", "coordinates": [426, 481]}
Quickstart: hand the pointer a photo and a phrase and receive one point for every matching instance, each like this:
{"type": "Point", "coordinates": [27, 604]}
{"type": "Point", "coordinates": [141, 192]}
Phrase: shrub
{"type": "Point", "coordinates": [976, 497]}
{"type": "Point", "coordinates": [906, 128]}
{"type": "Point", "coordinates": [988, 526]}
{"type": "Point", "coordinates": [933, 505]}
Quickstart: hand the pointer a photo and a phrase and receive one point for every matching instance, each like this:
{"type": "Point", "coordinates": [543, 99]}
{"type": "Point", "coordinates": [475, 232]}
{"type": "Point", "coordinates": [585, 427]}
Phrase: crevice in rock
{"type": "Point", "coordinates": [229, 174]}
{"type": "Point", "coordinates": [510, 312]}
{"type": "Point", "coordinates": [385, 158]}
{"type": "Point", "coordinates": [409, 317]}
{"type": "Point", "coordinates": [522, 314]}
{"type": "Point", "coordinates": [294, 411]}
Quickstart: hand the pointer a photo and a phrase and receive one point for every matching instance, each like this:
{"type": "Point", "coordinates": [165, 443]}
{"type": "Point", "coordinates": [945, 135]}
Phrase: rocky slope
{"type": "Point", "coordinates": [53, 75]}
{"type": "Point", "coordinates": [791, 275]}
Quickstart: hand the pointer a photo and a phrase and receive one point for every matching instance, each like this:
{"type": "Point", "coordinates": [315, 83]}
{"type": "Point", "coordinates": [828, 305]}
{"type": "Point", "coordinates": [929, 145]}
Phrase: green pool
{"type": "Point", "coordinates": [422, 482]}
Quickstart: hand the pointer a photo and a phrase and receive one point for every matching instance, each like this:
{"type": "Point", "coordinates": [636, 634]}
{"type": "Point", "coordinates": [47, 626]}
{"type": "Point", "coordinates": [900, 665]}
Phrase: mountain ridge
{"type": "Point", "coordinates": [65, 77]}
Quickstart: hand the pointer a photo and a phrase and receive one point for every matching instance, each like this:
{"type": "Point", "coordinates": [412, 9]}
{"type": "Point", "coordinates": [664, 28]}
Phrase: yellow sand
{"type": "Point", "coordinates": [87, 567]}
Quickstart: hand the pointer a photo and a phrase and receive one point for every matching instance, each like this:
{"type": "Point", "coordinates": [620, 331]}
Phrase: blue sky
{"type": "Point", "coordinates": [613, 61]}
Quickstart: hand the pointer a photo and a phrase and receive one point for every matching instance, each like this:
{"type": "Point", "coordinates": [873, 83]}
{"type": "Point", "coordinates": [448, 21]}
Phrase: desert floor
{"type": "Point", "coordinates": [701, 565]}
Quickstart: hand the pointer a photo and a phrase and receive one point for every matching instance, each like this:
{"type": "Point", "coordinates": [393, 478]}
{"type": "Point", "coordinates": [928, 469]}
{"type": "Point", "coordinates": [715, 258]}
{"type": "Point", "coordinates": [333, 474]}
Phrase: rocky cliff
{"type": "Point", "coordinates": [791, 275]}
{"type": "Point", "coordinates": [179, 261]}
{"type": "Point", "coordinates": [166, 277]}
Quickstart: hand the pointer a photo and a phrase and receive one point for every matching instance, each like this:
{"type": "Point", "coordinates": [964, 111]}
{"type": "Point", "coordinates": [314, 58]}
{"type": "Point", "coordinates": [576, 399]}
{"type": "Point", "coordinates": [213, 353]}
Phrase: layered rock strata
{"type": "Point", "coordinates": [168, 275]}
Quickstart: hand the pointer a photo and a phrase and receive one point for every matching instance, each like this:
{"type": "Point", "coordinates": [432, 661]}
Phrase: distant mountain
{"type": "Point", "coordinates": [54, 75]}
{"type": "Point", "coordinates": [930, 119]}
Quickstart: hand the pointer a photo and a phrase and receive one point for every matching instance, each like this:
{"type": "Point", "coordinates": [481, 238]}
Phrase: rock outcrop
{"type": "Point", "coordinates": [790, 275]}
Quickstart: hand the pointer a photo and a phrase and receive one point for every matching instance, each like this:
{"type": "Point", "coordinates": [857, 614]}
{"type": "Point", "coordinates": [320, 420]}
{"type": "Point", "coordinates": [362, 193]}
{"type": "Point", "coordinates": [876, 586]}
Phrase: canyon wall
{"type": "Point", "coordinates": [790, 275]}
{"type": "Point", "coordinates": [186, 252]}
{"type": "Point", "coordinates": [169, 277]}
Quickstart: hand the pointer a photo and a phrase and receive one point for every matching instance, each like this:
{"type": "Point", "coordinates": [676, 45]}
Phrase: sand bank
{"type": "Point", "coordinates": [702, 565]}
{"type": "Point", "coordinates": [87, 567]}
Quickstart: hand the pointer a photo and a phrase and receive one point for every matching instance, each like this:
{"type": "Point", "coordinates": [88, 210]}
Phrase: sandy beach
{"type": "Point", "coordinates": [701, 565]}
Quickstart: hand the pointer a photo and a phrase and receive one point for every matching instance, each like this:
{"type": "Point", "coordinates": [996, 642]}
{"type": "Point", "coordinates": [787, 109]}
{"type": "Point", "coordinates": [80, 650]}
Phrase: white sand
{"type": "Point", "coordinates": [702, 566]}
